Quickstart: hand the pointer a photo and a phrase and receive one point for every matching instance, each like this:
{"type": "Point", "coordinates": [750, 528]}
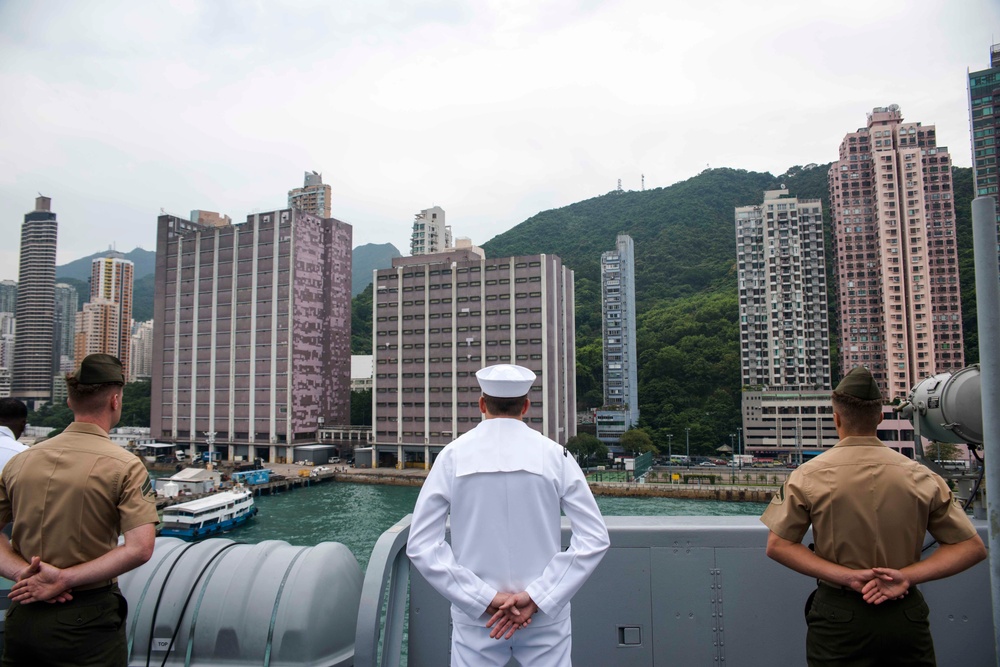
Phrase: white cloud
{"type": "Point", "coordinates": [493, 110]}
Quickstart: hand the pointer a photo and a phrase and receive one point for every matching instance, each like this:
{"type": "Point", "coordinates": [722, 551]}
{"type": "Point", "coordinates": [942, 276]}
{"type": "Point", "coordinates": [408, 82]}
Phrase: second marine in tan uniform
{"type": "Point", "coordinates": [870, 508]}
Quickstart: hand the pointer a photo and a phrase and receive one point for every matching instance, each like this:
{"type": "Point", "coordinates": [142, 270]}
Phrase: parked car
{"type": "Point", "coordinates": [707, 463]}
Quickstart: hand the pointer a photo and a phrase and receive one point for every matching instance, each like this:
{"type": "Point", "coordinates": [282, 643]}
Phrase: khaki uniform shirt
{"type": "Point", "coordinates": [70, 497]}
{"type": "Point", "coordinates": [869, 506]}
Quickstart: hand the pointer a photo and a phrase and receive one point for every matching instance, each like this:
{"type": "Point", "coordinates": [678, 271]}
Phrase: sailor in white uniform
{"type": "Point", "coordinates": [504, 485]}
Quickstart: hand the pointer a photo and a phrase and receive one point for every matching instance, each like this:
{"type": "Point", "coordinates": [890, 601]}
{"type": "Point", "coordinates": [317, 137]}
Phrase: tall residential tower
{"type": "Point", "coordinates": [784, 328]}
{"type": "Point", "coordinates": [430, 232]}
{"type": "Point", "coordinates": [897, 267]}
{"type": "Point", "coordinates": [313, 197]}
{"type": "Point", "coordinates": [36, 299]}
{"type": "Point", "coordinates": [621, 388]}
{"type": "Point", "coordinates": [111, 280]}
{"type": "Point", "coordinates": [984, 117]}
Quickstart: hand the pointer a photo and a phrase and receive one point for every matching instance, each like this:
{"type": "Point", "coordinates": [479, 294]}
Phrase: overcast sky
{"type": "Point", "coordinates": [492, 109]}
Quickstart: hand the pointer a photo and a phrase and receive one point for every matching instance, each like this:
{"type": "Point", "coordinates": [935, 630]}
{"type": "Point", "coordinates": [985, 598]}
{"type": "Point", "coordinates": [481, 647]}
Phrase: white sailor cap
{"type": "Point", "coordinates": [505, 380]}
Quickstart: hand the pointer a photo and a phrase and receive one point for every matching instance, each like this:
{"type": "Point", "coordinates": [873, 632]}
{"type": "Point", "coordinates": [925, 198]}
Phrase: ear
{"type": "Point", "coordinates": [836, 420]}
{"type": "Point", "coordinates": [524, 408]}
{"type": "Point", "coordinates": [482, 404]}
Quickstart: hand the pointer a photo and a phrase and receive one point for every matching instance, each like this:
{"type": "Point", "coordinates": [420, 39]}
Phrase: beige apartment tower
{"type": "Point", "coordinates": [894, 242]}
{"type": "Point", "coordinates": [313, 197]}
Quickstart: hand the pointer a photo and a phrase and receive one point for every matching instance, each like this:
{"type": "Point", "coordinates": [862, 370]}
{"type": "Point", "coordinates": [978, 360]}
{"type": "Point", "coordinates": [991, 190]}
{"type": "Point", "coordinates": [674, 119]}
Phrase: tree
{"type": "Point", "coordinates": [586, 446]}
{"type": "Point", "coordinates": [942, 451]}
{"type": "Point", "coordinates": [361, 408]}
{"type": "Point", "coordinates": [637, 440]}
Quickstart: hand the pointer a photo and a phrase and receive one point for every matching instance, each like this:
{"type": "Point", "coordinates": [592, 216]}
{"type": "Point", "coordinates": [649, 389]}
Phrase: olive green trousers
{"type": "Point", "coordinates": [89, 630]}
{"type": "Point", "coordinates": [846, 631]}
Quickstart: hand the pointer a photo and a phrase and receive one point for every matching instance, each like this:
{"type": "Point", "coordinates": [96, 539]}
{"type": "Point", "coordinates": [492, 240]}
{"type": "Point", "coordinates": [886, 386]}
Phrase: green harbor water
{"type": "Point", "coordinates": [357, 514]}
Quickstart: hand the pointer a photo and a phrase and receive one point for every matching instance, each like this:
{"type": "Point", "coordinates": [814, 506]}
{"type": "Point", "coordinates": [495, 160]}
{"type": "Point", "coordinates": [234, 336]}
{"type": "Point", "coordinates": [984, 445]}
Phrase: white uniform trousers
{"type": "Point", "coordinates": [534, 646]}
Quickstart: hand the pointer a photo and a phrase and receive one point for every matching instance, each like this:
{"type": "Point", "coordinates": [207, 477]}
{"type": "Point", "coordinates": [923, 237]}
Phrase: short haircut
{"type": "Point", "coordinates": [505, 407]}
{"type": "Point", "coordinates": [857, 414]}
{"type": "Point", "coordinates": [12, 410]}
{"type": "Point", "coordinates": [89, 398]}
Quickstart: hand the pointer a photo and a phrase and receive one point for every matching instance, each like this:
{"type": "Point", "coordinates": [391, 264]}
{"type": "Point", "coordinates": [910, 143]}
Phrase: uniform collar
{"type": "Point", "coordinates": [860, 441]}
{"type": "Point", "coordinates": [5, 431]}
{"type": "Point", "coordinates": [87, 427]}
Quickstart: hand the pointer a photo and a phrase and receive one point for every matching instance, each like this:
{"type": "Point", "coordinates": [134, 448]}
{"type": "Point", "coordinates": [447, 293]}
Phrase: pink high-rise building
{"type": "Point", "coordinates": [895, 252]}
{"type": "Point", "coordinates": [253, 333]}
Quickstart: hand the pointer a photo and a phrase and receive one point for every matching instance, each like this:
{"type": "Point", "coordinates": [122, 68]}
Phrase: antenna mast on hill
{"type": "Point", "coordinates": [619, 185]}
{"type": "Point", "coordinates": [644, 182]}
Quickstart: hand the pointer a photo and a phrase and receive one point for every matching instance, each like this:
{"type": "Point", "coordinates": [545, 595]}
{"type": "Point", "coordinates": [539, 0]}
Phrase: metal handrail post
{"type": "Point", "coordinates": [984, 235]}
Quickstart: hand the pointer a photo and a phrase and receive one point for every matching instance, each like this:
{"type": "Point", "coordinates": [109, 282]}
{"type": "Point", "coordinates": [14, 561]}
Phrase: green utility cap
{"type": "Point", "coordinates": [100, 369]}
{"type": "Point", "coordinates": [859, 383]}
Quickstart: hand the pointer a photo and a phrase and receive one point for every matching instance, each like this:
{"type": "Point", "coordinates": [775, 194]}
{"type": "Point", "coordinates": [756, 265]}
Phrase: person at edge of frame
{"type": "Point", "coordinates": [69, 498]}
{"type": "Point", "coordinates": [870, 508]}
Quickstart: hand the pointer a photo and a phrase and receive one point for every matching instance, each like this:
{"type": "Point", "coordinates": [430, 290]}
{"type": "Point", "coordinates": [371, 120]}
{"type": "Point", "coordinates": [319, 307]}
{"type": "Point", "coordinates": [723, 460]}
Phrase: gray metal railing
{"type": "Point", "coordinates": [383, 613]}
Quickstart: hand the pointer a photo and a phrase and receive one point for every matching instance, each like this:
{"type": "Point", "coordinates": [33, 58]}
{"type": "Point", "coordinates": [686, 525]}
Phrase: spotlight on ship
{"type": "Point", "coordinates": [947, 407]}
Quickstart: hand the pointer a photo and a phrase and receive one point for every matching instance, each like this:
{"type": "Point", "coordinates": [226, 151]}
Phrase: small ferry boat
{"type": "Point", "coordinates": [208, 516]}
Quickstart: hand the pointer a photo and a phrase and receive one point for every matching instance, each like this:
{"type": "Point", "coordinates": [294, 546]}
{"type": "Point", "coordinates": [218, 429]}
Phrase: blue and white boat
{"type": "Point", "coordinates": [215, 514]}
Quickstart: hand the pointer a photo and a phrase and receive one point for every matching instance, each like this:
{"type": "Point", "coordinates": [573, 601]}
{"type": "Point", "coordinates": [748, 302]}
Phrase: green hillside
{"type": "Point", "coordinates": [686, 298]}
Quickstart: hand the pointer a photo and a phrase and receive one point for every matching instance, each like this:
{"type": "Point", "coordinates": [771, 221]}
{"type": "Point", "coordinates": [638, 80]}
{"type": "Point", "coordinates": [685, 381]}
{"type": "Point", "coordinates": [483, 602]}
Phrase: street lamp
{"type": "Point", "coordinates": [687, 443]}
{"type": "Point", "coordinates": [733, 455]}
{"type": "Point", "coordinates": [670, 454]}
{"type": "Point", "coordinates": [740, 444]}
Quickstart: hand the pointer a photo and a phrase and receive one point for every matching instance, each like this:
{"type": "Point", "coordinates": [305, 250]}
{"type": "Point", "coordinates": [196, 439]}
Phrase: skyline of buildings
{"type": "Point", "coordinates": [781, 273]}
{"type": "Point", "coordinates": [895, 251]}
{"type": "Point", "coordinates": [33, 370]}
{"type": "Point", "coordinates": [619, 356]}
{"type": "Point", "coordinates": [253, 349]}
{"type": "Point", "coordinates": [67, 303]}
{"type": "Point", "coordinates": [438, 319]}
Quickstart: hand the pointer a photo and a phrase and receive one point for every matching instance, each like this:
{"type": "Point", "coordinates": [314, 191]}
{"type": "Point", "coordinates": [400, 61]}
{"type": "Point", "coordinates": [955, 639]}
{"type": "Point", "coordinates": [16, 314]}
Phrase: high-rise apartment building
{"type": "Point", "coordinates": [33, 368]}
{"type": "Point", "coordinates": [439, 319]}
{"type": "Point", "coordinates": [8, 296]}
{"type": "Point", "coordinates": [253, 327]}
{"type": "Point", "coordinates": [142, 351]}
{"type": "Point", "coordinates": [984, 117]}
{"type": "Point", "coordinates": [430, 233]}
{"type": "Point", "coordinates": [97, 327]}
{"type": "Point", "coordinates": [894, 243]}
{"type": "Point", "coordinates": [781, 269]}
{"type": "Point", "coordinates": [621, 378]}
{"type": "Point", "coordinates": [313, 197]}
{"type": "Point", "coordinates": [7, 325]}
{"type": "Point", "coordinates": [67, 301]}
{"type": "Point", "coordinates": [111, 281]}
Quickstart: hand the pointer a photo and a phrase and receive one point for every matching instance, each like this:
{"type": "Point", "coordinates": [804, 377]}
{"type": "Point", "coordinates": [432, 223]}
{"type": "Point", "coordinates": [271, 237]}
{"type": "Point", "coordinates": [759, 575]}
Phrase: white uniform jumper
{"type": "Point", "coordinates": [504, 485]}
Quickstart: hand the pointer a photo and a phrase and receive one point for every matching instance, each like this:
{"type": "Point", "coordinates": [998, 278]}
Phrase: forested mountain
{"type": "Point", "coordinates": [367, 258]}
{"type": "Point", "coordinates": [686, 297]}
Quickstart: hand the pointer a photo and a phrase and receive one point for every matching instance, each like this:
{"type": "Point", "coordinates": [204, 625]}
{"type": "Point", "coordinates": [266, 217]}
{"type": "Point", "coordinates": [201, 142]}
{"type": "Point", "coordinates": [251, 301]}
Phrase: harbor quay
{"type": "Point", "coordinates": [699, 486]}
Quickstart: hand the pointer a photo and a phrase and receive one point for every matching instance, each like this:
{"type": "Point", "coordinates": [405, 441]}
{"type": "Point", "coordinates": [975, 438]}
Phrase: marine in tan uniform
{"type": "Point", "coordinates": [870, 508]}
{"type": "Point", "coordinates": [69, 499]}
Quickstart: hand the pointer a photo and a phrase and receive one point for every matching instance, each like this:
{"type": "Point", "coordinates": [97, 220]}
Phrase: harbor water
{"type": "Point", "coordinates": [357, 514]}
